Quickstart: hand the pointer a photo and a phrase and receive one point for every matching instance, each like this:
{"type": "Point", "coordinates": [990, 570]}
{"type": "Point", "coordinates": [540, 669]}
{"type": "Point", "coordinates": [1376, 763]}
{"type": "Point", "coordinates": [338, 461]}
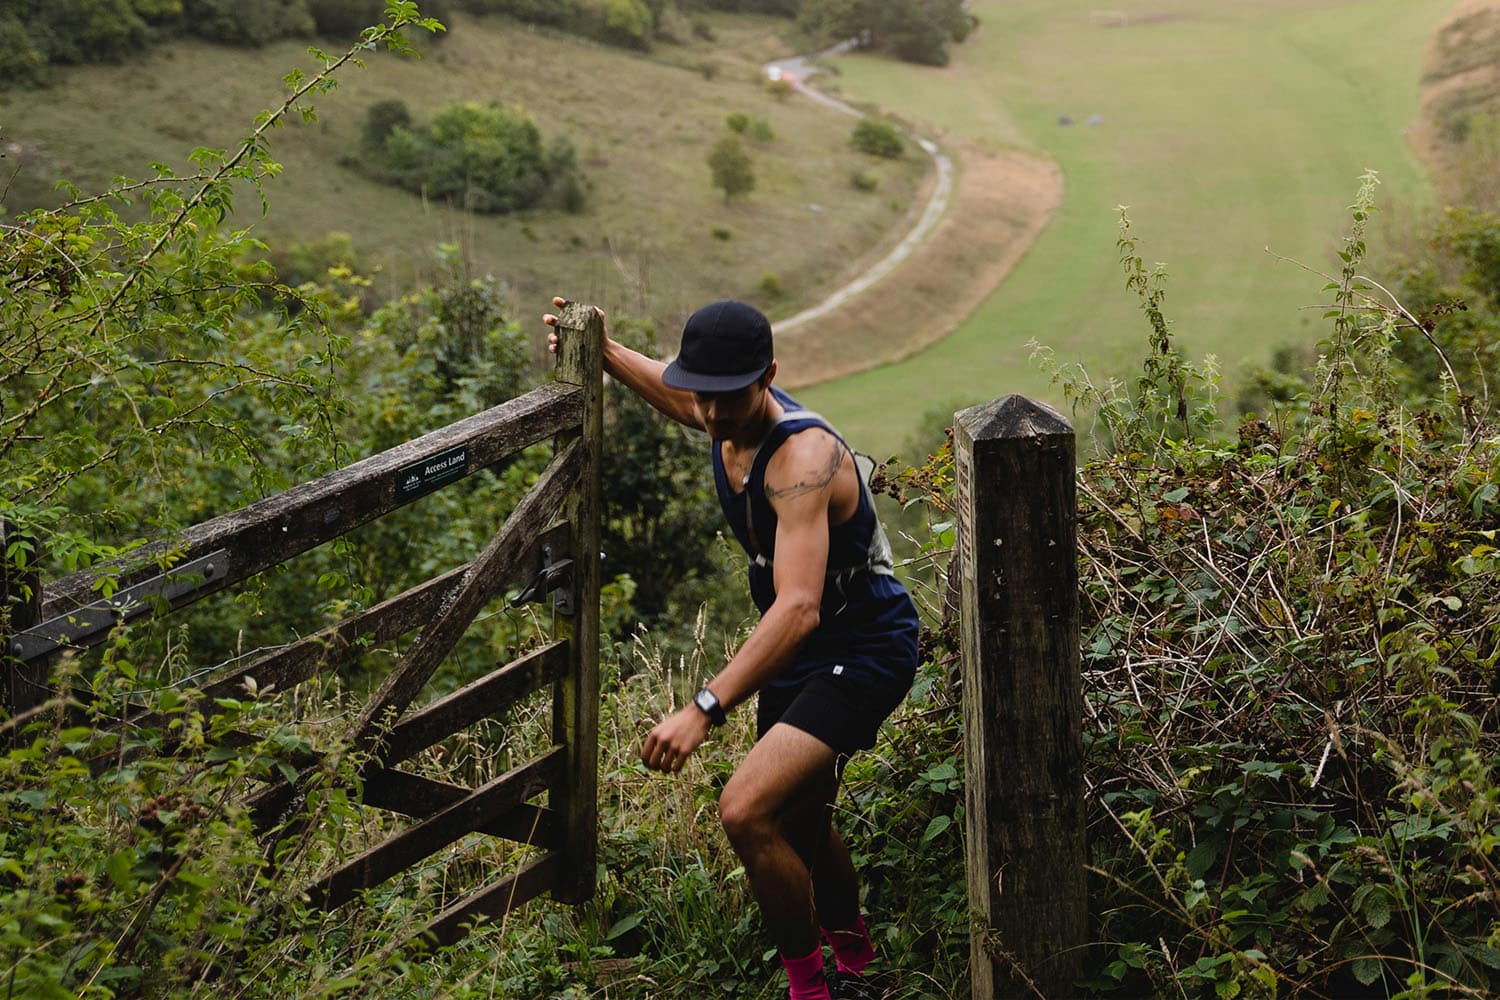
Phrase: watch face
{"type": "Point", "coordinates": [709, 706]}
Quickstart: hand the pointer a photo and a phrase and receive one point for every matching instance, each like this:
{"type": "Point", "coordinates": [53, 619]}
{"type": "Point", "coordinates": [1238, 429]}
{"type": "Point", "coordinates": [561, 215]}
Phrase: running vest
{"type": "Point", "coordinates": [867, 622]}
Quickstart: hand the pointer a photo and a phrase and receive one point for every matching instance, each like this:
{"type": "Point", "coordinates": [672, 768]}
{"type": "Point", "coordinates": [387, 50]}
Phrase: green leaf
{"type": "Point", "coordinates": [1177, 495]}
{"type": "Point", "coordinates": [936, 827]}
{"type": "Point", "coordinates": [623, 926]}
{"type": "Point", "coordinates": [1367, 970]}
{"type": "Point", "coordinates": [942, 772]}
{"type": "Point", "coordinates": [119, 867]}
{"type": "Point", "coordinates": [1378, 910]}
{"type": "Point", "coordinates": [1201, 858]}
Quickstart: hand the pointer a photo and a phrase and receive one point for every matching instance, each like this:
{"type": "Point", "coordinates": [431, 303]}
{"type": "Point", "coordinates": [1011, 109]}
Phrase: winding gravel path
{"type": "Point", "coordinates": [798, 69]}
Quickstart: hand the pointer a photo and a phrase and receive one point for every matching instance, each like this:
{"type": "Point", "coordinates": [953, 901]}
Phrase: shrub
{"type": "Point", "coordinates": [770, 285]}
{"type": "Point", "coordinates": [487, 158]}
{"type": "Point", "coordinates": [380, 120]}
{"type": "Point", "coordinates": [671, 26]}
{"type": "Point", "coordinates": [877, 138]}
{"type": "Point", "coordinates": [863, 180]}
{"type": "Point", "coordinates": [730, 166]}
{"type": "Point", "coordinates": [628, 23]}
{"type": "Point", "coordinates": [779, 89]}
{"type": "Point", "coordinates": [761, 131]}
{"type": "Point", "coordinates": [722, 233]}
{"type": "Point", "coordinates": [345, 18]}
{"type": "Point", "coordinates": [709, 68]}
{"type": "Point", "coordinates": [737, 121]}
{"type": "Point", "coordinates": [246, 22]}
{"type": "Point", "coordinates": [22, 63]}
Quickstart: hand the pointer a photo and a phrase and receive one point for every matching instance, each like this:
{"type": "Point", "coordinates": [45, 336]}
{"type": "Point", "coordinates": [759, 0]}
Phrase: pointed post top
{"type": "Point", "coordinates": [1012, 417]}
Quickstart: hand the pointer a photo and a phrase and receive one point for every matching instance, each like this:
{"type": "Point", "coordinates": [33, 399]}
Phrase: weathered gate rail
{"type": "Point", "coordinates": [552, 537]}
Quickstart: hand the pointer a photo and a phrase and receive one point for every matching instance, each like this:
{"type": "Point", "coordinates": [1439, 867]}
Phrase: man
{"type": "Point", "coordinates": [834, 652]}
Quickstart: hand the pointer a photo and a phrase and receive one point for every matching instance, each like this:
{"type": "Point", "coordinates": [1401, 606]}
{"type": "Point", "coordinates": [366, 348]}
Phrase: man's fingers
{"type": "Point", "coordinates": [559, 301]}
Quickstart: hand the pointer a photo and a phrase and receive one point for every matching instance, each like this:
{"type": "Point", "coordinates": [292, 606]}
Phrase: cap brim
{"type": "Point", "coordinates": [677, 377]}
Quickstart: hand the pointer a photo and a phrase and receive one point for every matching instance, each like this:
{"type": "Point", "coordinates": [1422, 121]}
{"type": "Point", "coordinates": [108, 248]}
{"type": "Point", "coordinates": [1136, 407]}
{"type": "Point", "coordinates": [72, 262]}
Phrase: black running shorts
{"type": "Point", "coordinates": [841, 709]}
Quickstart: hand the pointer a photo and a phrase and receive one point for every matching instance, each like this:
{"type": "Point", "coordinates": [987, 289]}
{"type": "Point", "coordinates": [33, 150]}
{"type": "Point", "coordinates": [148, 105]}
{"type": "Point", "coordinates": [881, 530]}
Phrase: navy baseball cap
{"type": "Point", "coordinates": [725, 346]}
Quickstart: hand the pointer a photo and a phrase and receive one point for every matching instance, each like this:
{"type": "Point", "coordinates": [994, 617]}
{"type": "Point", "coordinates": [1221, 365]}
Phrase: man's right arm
{"type": "Point", "coordinates": [640, 373]}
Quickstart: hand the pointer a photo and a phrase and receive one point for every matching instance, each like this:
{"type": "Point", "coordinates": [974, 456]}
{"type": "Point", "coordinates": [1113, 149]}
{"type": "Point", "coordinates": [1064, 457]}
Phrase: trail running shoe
{"type": "Point", "coordinates": [847, 986]}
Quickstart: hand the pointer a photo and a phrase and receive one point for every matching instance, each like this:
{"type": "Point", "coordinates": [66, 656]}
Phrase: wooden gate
{"type": "Point", "coordinates": [550, 542]}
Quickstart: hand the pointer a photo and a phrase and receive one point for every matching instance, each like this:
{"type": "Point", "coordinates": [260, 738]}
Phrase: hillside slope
{"type": "Point", "coordinates": [1461, 102]}
{"type": "Point", "coordinates": [1226, 127]}
{"type": "Point", "coordinates": [657, 238]}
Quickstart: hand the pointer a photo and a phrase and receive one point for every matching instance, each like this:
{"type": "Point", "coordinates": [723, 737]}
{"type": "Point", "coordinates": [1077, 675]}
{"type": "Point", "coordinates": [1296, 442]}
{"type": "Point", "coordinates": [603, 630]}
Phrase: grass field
{"type": "Point", "coordinates": [1226, 126]}
{"type": "Point", "coordinates": [642, 126]}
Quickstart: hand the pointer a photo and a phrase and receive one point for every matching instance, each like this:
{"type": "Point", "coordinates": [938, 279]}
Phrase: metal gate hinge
{"type": "Point", "coordinates": [555, 578]}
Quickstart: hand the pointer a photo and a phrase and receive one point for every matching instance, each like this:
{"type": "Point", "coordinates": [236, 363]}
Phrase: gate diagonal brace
{"type": "Point", "coordinates": [556, 578]}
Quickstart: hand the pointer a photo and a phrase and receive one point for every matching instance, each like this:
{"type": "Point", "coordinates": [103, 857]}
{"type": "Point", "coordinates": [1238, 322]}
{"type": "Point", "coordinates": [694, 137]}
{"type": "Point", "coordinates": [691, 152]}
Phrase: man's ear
{"type": "Point", "coordinates": [769, 376]}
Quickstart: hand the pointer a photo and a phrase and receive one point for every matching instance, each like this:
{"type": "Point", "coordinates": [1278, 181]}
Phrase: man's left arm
{"type": "Point", "coordinates": [800, 483]}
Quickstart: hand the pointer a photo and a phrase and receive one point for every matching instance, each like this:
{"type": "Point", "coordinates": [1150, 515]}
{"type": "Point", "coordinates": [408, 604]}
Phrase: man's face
{"type": "Point", "coordinates": [730, 414]}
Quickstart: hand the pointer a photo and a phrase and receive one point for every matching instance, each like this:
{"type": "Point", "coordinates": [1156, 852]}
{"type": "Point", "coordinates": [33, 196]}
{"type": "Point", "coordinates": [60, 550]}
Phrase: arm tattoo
{"type": "Point", "coordinates": [814, 479]}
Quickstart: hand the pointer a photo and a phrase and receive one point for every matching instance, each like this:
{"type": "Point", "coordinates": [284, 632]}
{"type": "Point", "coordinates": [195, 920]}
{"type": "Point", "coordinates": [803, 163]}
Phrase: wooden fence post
{"type": "Point", "coordinates": [20, 608]}
{"type": "Point", "coordinates": [1023, 698]}
{"type": "Point", "coordinates": [580, 361]}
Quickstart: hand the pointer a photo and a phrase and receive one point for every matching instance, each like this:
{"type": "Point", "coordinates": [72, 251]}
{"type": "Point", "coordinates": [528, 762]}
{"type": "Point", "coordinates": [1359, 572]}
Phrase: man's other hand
{"type": "Point", "coordinates": [674, 739]}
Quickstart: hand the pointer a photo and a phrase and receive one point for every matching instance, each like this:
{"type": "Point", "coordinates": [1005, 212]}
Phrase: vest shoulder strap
{"type": "Point", "coordinates": [878, 558]}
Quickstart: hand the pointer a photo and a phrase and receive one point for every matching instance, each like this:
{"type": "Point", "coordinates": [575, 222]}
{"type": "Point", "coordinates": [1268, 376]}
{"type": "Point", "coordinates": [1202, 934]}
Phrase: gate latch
{"type": "Point", "coordinates": [556, 578]}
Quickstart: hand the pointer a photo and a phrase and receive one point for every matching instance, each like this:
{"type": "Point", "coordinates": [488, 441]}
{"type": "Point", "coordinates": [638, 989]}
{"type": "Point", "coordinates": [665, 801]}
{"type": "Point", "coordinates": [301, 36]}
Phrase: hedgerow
{"type": "Point", "coordinates": [1291, 650]}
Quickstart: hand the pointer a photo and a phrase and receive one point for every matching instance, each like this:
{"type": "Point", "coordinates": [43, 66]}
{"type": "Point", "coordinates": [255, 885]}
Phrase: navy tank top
{"type": "Point", "coordinates": [867, 623]}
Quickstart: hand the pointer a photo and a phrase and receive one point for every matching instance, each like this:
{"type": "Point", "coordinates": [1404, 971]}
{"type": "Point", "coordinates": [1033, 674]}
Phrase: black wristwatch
{"type": "Point", "coordinates": [709, 705]}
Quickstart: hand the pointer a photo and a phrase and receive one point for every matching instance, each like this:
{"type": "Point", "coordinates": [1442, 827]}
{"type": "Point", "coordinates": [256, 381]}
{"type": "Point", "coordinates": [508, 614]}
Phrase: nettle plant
{"type": "Point", "coordinates": [1290, 652]}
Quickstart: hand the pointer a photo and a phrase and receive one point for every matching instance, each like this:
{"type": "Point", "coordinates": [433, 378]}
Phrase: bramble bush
{"type": "Point", "coordinates": [1290, 657]}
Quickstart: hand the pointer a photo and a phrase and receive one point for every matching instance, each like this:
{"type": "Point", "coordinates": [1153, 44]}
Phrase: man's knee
{"type": "Point", "coordinates": [745, 823]}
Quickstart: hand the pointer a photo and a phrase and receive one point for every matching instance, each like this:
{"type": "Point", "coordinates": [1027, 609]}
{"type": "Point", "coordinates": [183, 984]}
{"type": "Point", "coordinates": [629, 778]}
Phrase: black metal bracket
{"type": "Point", "coordinates": [555, 578]}
{"type": "Point", "coordinates": [131, 602]}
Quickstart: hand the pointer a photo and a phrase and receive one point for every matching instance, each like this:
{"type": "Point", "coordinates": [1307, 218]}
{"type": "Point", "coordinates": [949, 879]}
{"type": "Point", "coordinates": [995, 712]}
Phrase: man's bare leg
{"type": "Point", "coordinates": [835, 883]}
{"type": "Point", "coordinates": [780, 796]}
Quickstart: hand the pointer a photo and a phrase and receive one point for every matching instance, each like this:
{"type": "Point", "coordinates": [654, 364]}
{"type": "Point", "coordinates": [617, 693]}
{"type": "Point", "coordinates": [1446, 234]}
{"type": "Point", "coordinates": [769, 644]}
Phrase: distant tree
{"type": "Point", "coordinates": [915, 30]}
{"type": "Point", "coordinates": [733, 173]}
{"type": "Point", "coordinates": [877, 138]}
{"type": "Point", "coordinates": [781, 8]}
{"type": "Point", "coordinates": [247, 22]}
{"type": "Point", "coordinates": [22, 61]}
{"type": "Point", "coordinates": [83, 31]}
{"type": "Point", "coordinates": [628, 23]}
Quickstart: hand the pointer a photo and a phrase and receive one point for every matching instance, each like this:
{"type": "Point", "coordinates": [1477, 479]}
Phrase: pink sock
{"type": "Point", "coordinates": [851, 946]}
{"type": "Point", "coordinates": [805, 975]}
